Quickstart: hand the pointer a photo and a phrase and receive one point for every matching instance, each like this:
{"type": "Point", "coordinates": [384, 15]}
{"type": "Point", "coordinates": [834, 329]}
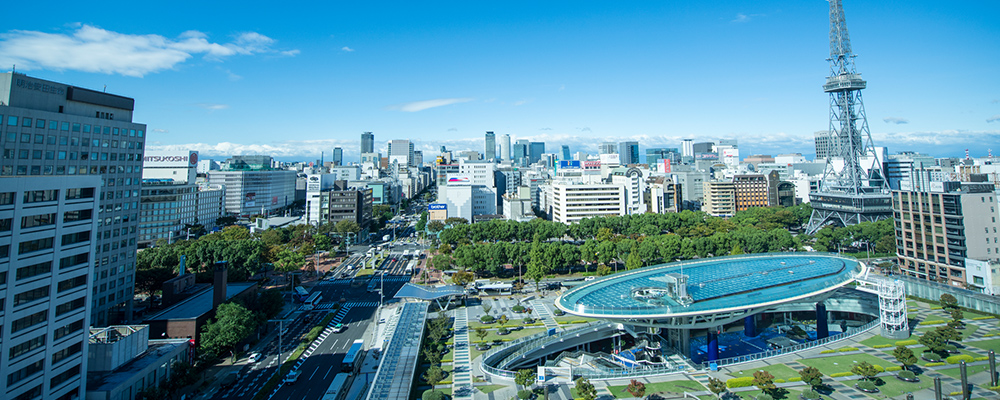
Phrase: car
{"type": "Point", "coordinates": [254, 357]}
{"type": "Point", "coordinates": [338, 328]}
{"type": "Point", "coordinates": [292, 377]}
{"type": "Point", "coordinates": [589, 278]}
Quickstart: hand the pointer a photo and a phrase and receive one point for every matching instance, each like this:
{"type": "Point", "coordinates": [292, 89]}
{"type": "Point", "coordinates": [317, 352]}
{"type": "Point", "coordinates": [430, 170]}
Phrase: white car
{"type": "Point", "coordinates": [254, 357]}
{"type": "Point", "coordinates": [589, 278]}
{"type": "Point", "coordinates": [292, 377]}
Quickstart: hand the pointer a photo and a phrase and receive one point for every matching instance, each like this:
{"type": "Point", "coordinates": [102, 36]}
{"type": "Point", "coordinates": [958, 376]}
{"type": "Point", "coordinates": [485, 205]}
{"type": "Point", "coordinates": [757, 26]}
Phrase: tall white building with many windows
{"type": "Point", "coordinates": [47, 274]}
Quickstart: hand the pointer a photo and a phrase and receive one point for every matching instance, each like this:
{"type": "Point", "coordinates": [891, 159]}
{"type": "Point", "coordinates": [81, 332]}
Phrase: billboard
{"type": "Point", "coordinates": [574, 164]}
{"type": "Point", "coordinates": [459, 180]}
{"type": "Point", "coordinates": [437, 212]}
{"type": "Point", "coordinates": [591, 165]}
{"type": "Point", "coordinates": [170, 159]}
{"type": "Point", "coordinates": [666, 165]}
{"type": "Point", "coordinates": [437, 206]}
{"type": "Point", "coordinates": [250, 199]}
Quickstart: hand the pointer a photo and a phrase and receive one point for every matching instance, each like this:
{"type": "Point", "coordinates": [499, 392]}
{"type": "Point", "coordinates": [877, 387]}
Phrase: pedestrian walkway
{"type": "Point", "coordinates": [358, 304]}
{"type": "Point", "coordinates": [550, 322]}
{"type": "Point", "coordinates": [461, 380]}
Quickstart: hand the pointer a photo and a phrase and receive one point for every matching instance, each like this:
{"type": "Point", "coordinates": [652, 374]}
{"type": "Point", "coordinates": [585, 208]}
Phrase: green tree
{"type": "Point", "coordinates": [948, 301]}
{"type": "Point", "coordinates": [462, 278]}
{"type": "Point", "coordinates": [481, 333]}
{"type": "Point", "coordinates": [235, 232]}
{"type": "Point", "coordinates": [603, 270]}
{"type": "Point", "coordinates": [433, 375]}
{"type": "Point", "coordinates": [232, 324]}
{"type": "Point", "coordinates": [456, 221]}
{"type": "Point", "coordinates": [865, 370]}
{"type": "Point", "coordinates": [442, 262]}
{"type": "Point", "coordinates": [904, 356]}
{"type": "Point", "coordinates": [502, 320]}
{"type": "Point", "coordinates": [524, 377]}
{"type": "Point", "coordinates": [633, 261]}
{"type": "Point", "coordinates": [435, 226]}
{"type": "Point", "coordinates": [636, 388]}
{"type": "Point", "coordinates": [322, 242]}
{"type": "Point", "coordinates": [811, 376]}
{"type": "Point", "coordinates": [271, 302]}
{"type": "Point", "coordinates": [585, 390]}
{"type": "Point", "coordinates": [934, 341]}
{"type": "Point", "coordinates": [764, 381]}
{"type": "Point", "coordinates": [150, 280]}
{"type": "Point", "coordinates": [716, 386]}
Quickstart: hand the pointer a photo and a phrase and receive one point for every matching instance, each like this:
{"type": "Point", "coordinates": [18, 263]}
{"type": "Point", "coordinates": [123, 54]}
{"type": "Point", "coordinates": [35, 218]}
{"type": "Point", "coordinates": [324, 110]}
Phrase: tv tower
{"type": "Point", "coordinates": [855, 192]}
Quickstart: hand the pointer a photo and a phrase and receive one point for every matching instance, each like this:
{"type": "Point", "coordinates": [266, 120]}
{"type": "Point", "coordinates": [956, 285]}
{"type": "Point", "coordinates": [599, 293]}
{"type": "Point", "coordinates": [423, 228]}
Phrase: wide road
{"type": "Point", "coordinates": [318, 371]}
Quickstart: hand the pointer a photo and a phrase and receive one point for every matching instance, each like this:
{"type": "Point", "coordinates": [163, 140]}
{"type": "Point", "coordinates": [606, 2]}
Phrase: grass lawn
{"type": "Point", "coordinates": [790, 394]}
{"type": "Point", "coordinates": [365, 272]}
{"type": "Point", "coordinates": [879, 340]}
{"type": "Point", "coordinates": [889, 386]}
{"type": "Point", "coordinates": [970, 369]}
{"type": "Point", "coordinates": [657, 387]}
{"type": "Point", "coordinates": [565, 319]}
{"type": "Point", "coordinates": [780, 371]}
{"type": "Point", "coordinates": [832, 365]}
{"type": "Point", "coordinates": [968, 330]}
{"type": "Point", "coordinates": [992, 344]}
{"type": "Point", "coordinates": [487, 389]}
{"type": "Point", "coordinates": [510, 336]}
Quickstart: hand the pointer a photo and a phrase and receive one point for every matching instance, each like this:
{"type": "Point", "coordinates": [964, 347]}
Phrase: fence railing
{"type": "Point", "coordinates": [791, 349]}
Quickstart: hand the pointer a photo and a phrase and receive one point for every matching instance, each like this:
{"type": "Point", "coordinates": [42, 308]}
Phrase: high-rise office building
{"type": "Point", "coordinates": [654, 156]}
{"type": "Point", "coordinates": [338, 156]}
{"type": "Point", "coordinates": [628, 153]}
{"type": "Point", "coordinates": [519, 152]}
{"type": "Point", "coordinates": [608, 148]}
{"type": "Point", "coordinates": [565, 153]}
{"type": "Point", "coordinates": [535, 151]}
{"type": "Point", "coordinates": [505, 147]}
{"type": "Point", "coordinates": [401, 151]}
{"type": "Point", "coordinates": [687, 148]}
{"type": "Point", "coordinates": [367, 142]}
{"type": "Point", "coordinates": [55, 129]}
{"type": "Point", "coordinates": [490, 149]}
{"type": "Point", "coordinates": [252, 186]}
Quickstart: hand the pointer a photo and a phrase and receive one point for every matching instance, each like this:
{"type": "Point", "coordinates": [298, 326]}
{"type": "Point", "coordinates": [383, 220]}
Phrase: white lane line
{"type": "Point", "coordinates": [328, 373]}
{"type": "Point", "coordinates": [334, 344]}
{"type": "Point", "coordinates": [314, 373]}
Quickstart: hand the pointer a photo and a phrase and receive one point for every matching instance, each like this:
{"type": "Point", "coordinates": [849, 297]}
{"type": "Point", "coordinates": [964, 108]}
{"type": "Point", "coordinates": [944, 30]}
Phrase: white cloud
{"type": "Point", "coordinates": [895, 120]}
{"type": "Point", "coordinates": [426, 104]}
{"type": "Point", "coordinates": [522, 102]}
{"type": "Point", "coordinates": [994, 118]}
{"type": "Point", "coordinates": [741, 17]}
{"type": "Point", "coordinates": [347, 49]}
{"type": "Point", "coordinates": [159, 130]}
{"type": "Point", "coordinates": [213, 107]}
{"type": "Point", "coordinates": [92, 49]}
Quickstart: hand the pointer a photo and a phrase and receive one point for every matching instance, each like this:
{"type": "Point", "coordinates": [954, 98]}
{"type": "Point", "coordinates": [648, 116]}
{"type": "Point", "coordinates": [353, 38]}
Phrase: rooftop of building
{"type": "Point", "coordinates": [712, 285]}
{"type": "Point", "coordinates": [111, 380]}
{"type": "Point", "coordinates": [199, 304]}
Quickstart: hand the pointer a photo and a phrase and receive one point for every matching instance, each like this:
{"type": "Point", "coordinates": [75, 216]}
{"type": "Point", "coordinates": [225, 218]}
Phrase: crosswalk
{"type": "Point", "coordinates": [358, 304]}
{"type": "Point", "coordinates": [334, 282]}
{"type": "Point", "coordinates": [376, 281]}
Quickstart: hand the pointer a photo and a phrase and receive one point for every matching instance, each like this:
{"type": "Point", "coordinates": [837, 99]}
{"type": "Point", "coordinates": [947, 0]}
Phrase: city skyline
{"type": "Point", "coordinates": [563, 74]}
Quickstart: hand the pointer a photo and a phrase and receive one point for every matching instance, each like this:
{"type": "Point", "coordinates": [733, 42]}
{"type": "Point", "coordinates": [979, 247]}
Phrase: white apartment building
{"type": "Point", "coordinates": [47, 277]}
{"type": "Point", "coordinates": [255, 191]}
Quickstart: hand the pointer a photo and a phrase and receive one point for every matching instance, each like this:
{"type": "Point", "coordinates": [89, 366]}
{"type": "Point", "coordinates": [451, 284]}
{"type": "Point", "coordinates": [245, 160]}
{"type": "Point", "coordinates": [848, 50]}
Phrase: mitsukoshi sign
{"type": "Point", "coordinates": [176, 159]}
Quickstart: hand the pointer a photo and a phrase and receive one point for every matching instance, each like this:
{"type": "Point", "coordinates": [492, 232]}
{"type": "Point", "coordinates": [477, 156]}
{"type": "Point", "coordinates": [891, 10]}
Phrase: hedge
{"type": "Point", "coordinates": [982, 318]}
{"type": "Point", "coordinates": [745, 381]}
{"type": "Point", "coordinates": [908, 342]}
{"type": "Point", "coordinates": [959, 358]}
{"type": "Point", "coordinates": [841, 374]}
{"type": "Point", "coordinates": [934, 364]}
{"type": "Point", "coordinates": [934, 322]}
{"type": "Point", "coordinates": [846, 349]}
{"type": "Point", "coordinates": [882, 346]}
{"type": "Point", "coordinates": [779, 381]}
{"type": "Point", "coordinates": [893, 369]}
{"type": "Point", "coordinates": [983, 358]}
{"type": "Point", "coordinates": [827, 352]}
{"type": "Point", "coordinates": [795, 379]}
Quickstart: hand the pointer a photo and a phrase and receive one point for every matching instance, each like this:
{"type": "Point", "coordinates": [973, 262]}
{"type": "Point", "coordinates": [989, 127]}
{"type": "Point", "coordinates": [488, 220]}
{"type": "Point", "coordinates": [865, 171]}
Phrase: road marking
{"type": "Point", "coordinates": [313, 374]}
{"type": "Point", "coordinates": [334, 344]}
{"type": "Point", "coordinates": [328, 373]}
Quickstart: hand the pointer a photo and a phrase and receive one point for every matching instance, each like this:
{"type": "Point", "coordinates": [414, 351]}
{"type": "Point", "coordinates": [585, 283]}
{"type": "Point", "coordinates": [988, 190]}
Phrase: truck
{"type": "Point", "coordinates": [385, 238]}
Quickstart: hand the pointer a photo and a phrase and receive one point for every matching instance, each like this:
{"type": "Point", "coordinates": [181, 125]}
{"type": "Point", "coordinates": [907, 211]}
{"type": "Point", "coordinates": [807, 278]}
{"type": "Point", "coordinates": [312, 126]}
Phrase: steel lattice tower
{"type": "Point", "coordinates": [852, 194]}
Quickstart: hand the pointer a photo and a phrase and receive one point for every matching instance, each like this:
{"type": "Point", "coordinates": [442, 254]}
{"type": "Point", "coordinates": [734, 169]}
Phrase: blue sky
{"type": "Point", "coordinates": [291, 80]}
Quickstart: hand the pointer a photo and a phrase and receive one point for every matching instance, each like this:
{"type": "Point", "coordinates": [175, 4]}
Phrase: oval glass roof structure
{"type": "Point", "coordinates": [711, 285]}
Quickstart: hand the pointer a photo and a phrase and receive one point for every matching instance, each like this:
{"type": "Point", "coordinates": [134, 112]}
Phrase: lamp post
{"type": "Point", "coordinates": [281, 332]}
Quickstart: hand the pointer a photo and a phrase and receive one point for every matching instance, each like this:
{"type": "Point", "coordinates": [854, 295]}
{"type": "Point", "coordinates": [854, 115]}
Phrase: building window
{"type": "Point", "coordinates": [23, 348]}
{"type": "Point", "coordinates": [31, 295]}
{"type": "Point", "coordinates": [69, 351]}
{"type": "Point", "coordinates": [25, 372]}
{"type": "Point", "coordinates": [34, 270]}
{"type": "Point", "coordinates": [67, 329]}
{"type": "Point", "coordinates": [31, 320]}
{"type": "Point", "coordinates": [34, 245]}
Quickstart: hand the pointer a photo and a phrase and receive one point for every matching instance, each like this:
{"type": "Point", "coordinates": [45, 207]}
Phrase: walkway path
{"type": "Point", "coordinates": [461, 375]}
{"type": "Point", "coordinates": [543, 311]}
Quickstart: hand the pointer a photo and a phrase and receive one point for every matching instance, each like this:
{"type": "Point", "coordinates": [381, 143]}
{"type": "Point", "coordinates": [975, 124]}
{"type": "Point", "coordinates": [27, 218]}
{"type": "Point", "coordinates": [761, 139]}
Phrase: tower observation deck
{"type": "Point", "coordinates": [850, 191]}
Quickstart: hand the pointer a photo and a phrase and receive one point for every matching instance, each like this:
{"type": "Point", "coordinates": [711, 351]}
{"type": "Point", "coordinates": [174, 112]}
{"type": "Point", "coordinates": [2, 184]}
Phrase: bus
{"type": "Point", "coordinates": [354, 357]}
{"type": "Point", "coordinates": [312, 301]}
{"type": "Point", "coordinates": [338, 389]}
{"type": "Point", "coordinates": [301, 294]}
{"type": "Point", "coordinates": [406, 254]}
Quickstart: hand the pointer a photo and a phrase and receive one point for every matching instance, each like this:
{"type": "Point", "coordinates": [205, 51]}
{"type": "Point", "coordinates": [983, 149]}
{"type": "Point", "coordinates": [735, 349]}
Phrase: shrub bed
{"type": "Point", "coordinates": [846, 349]}
{"type": "Point", "coordinates": [908, 342]}
{"type": "Point", "coordinates": [810, 395]}
{"type": "Point", "coordinates": [934, 364]}
{"type": "Point", "coordinates": [745, 381]}
{"type": "Point", "coordinates": [841, 374]}
{"type": "Point", "coordinates": [866, 386]}
{"type": "Point", "coordinates": [827, 351]}
{"type": "Point", "coordinates": [882, 346]}
{"type": "Point", "coordinates": [934, 322]}
{"type": "Point", "coordinates": [893, 369]}
{"type": "Point", "coordinates": [959, 358]}
{"type": "Point", "coordinates": [907, 376]}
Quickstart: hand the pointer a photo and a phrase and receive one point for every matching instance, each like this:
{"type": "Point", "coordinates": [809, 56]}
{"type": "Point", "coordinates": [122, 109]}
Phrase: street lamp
{"type": "Point", "coordinates": [281, 332]}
